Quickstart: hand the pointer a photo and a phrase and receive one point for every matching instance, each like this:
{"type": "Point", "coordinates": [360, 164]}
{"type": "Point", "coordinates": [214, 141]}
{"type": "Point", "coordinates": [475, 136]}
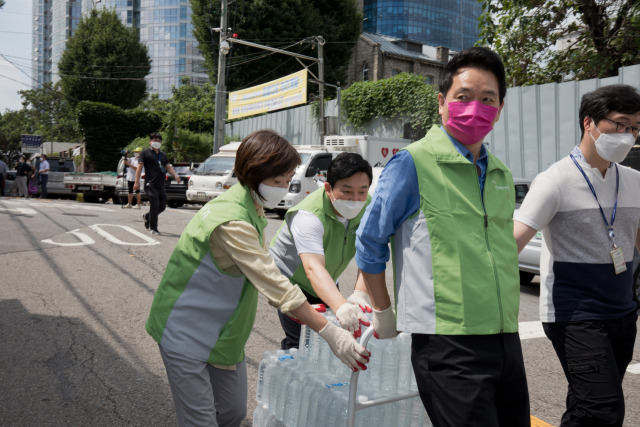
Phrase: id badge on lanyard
{"type": "Point", "coordinates": [617, 256]}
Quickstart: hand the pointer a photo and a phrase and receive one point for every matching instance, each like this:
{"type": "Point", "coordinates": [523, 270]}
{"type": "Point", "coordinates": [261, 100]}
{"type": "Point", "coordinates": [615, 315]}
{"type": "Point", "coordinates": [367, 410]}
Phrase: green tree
{"type": "Point", "coordinates": [12, 125]}
{"type": "Point", "coordinates": [404, 95]}
{"type": "Point", "coordinates": [282, 24]}
{"type": "Point", "coordinates": [48, 113]}
{"type": "Point", "coordinates": [595, 37]}
{"type": "Point", "coordinates": [104, 61]}
{"type": "Point", "coordinates": [107, 129]}
{"type": "Point", "coordinates": [1, 3]}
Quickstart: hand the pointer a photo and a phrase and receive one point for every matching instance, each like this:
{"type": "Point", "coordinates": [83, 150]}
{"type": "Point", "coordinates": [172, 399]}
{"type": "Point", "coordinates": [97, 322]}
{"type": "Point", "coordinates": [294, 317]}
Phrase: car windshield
{"type": "Point", "coordinates": [521, 191]}
{"type": "Point", "coordinates": [65, 166]}
{"type": "Point", "coordinates": [216, 166]}
{"type": "Point", "coordinates": [182, 170]}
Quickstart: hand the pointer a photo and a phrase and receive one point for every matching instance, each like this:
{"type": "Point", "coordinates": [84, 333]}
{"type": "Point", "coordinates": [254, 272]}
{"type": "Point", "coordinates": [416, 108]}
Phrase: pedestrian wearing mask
{"type": "Point", "coordinates": [132, 166]}
{"type": "Point", "coordinates": [316, 242]}
{"type": "Point", "coordinates": [154, 162]}
{"type": "Point", "coordinates": [588, 208]}
{"type": "Point", "coordinates": [23, 169]}
{"type": "Point", "coordinates": [44, 175]}
{"type": "Point", "coordinates": [448, 203]}
{"type": "Point", "coordinates": [205, 305]}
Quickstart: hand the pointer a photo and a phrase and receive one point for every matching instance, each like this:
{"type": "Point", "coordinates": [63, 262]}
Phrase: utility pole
{"type": "Point", "coordinates": [221, 91]}
{"type": "Point", "coordinates": [323, 132]}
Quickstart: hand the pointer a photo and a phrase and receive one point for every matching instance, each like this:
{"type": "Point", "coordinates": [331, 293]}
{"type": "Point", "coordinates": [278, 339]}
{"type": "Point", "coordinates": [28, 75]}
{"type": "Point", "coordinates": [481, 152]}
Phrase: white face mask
{"type": "Point", "coordinates": [614, 147]}
{"type": "Point", "coordinates": [348, 208]}
{"type": "Point", "coordinates": [272, 195]}
{"type": "Point", "coordinates": [156, 145]}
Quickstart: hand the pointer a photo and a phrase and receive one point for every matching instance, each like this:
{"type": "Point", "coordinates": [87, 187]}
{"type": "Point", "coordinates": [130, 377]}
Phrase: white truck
{"type": "Point", "coordinates": [95, 187]}
{"type": "Point", "coordinates": [316, 159]}
{"type": "Point", "coordinates": [214, 176]}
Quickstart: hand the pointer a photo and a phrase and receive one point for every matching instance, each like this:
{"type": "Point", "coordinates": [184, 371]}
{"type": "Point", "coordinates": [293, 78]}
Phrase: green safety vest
{"type": "Point", "coordinates": [339, 243]}
{"type": "Point", "coordinates": [199, 310]}
{"type": "Point", "coordinates": [456, 260]}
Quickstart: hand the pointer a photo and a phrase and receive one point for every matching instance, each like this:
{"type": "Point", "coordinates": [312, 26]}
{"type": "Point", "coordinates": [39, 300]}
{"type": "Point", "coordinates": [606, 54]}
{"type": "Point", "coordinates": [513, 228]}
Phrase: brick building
{"type": "Point", "coordinates": [377, 57]}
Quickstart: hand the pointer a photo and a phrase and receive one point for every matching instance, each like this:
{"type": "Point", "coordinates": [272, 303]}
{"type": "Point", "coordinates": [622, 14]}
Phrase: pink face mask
{"type": "Point", "coordinates": [470, 122]}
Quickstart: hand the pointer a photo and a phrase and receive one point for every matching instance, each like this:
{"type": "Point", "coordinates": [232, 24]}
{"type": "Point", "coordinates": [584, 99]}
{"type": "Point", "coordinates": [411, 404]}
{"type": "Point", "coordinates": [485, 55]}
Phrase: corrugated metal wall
{"type": "Point", "coordinates": [537, 127]}
{"type": "Point", "coordinates": [539, 124]}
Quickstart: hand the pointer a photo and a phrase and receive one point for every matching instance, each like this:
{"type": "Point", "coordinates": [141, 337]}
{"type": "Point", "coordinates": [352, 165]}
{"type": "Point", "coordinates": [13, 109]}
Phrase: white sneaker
{"type": "Point", "coordinates": [128, 206]}
{"type": "Point", "coordinates": [136, 207]}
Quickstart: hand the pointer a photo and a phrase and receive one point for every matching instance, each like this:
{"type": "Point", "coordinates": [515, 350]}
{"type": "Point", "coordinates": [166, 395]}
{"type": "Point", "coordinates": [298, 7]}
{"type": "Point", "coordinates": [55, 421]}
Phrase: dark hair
{"type": "Point", "coordinates": [598, 104]}
{"type": "Point", "coordinates": [475, 57]}
{"type": "Point", "coordinates": [264, 154]}
{"type": "Point", "coordinates": [155, 135]}
{"type": "Point", "coordinates": [346, 165]}
{"type": "Point", "coordinates": [43, 155]}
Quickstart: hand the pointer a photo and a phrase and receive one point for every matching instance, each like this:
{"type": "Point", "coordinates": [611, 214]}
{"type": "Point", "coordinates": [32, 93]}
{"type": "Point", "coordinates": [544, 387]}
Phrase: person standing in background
{"type": "Point", "coordinates": [132, 165]}
{"type": "Point", "coordinates": [44, 175]}
{"type": "Point", "coordinates": [3, 174]}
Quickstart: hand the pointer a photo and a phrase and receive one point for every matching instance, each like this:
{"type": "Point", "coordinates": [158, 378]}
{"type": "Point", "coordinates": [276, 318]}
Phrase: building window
{"type": "Point", "coordinates": [365, 72]}
{"type": "Point", "coordinates": [428, 79]}
{"type": "Point", "coordinates": [395, 72]}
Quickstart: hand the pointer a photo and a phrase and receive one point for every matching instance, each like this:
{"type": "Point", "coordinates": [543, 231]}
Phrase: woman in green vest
{"type": "Point", "coordinates": [206, 302]}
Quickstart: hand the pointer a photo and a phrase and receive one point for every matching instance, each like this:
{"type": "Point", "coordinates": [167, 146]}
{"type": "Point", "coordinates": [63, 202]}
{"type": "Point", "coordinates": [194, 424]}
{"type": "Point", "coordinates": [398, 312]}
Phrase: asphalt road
{"type": "Point", "coordinates": [76, 284]}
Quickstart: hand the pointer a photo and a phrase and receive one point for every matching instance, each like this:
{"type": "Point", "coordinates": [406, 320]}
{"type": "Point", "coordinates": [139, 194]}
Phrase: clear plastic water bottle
{"type": "Point", "coordinates": [339, 405]}
{"type": "Point", "coordinates": [264, 366]}
{"type": "Point", "coordinates": [288, 368]}
{"type": "Point", "coordinates": [275, 381]}
{"type": "Point", "coordinates": [314, 401]}
{"type": "Point", "coordinates": [405, 371]}
{"type": "Point", "coordinates": [389, 373]}
{"type": "Point", "coordinates": [294, 397]}
{"type": "Point", "coordinates": [308, 386]}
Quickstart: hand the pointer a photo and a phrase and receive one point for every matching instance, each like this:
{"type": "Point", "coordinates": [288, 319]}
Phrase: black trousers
{"type": "Point", "coordinates": [471, 380]}
{"type": "Point", "coordinates": [594, 356]}
{"type": "Point", "coordinates": [291, 327]}
{"type": "Point", "coordinates": [157, 204]}
{"type": "Point", "coordinates": [1, 184]}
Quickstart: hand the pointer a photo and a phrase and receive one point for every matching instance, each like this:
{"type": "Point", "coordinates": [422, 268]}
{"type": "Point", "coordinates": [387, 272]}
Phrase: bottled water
{"type": "Point", "coordinates": [264, 366]}
{"type": "Point", "coordinates": [389, 374]}
{"type": "Point", "coordinates": [405, 371]}
{"type": "Point", "coordinates": [276, 380]}
{"type": "Point", "coordinates": [287, 370]}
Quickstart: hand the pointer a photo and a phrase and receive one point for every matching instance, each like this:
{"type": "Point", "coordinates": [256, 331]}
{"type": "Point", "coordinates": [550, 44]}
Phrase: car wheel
{"type": "Point", "coordinates": [636, 286]}
{"type": "Point", "coordinates": [526, 277]}
{"type": "Point", "coordinates": [175, 204]}
{"type": "Point", "coordinates": [281, 213]}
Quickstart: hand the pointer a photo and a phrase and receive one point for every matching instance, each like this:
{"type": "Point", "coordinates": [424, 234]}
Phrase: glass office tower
{"type": "Point", "coordinates": [166, 29]}
{"type": "Point", "coordinates": [448, 23]}
{"type": "Point", "coordinates": [164, 26]}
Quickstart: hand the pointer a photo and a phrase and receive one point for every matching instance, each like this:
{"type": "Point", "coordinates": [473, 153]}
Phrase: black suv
{"type": "Point", "coordinates": [177, 193]}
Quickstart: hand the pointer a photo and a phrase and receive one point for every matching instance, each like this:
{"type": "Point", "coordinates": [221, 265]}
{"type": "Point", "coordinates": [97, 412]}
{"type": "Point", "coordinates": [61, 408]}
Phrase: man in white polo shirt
{"type": "Point", "coordinates": [588, 208]}
{"type": "Point", "coordinates": [43, 171]}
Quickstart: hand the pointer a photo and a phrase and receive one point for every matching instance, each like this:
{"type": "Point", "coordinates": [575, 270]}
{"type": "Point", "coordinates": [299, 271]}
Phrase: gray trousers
{"type": "Point", "coordinates": [22, 186]}
{"type": "Point", "coordinates": [204, 395]}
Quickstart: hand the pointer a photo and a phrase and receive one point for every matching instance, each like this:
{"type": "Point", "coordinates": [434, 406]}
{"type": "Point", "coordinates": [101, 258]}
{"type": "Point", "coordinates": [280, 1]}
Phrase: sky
{"type": "Point", "coordinates": [15, 52]}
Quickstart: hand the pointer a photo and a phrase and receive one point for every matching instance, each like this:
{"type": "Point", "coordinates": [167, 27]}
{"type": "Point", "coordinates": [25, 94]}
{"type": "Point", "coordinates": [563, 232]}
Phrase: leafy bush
{"type": "Point", "coordinates": [107, 129]}
{"type": "Point", "coordinates": [404, 95]}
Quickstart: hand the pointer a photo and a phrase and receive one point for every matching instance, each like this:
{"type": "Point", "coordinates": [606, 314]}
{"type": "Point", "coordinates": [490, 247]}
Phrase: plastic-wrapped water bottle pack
{"type": "Point", "coordinates": [310, 387]}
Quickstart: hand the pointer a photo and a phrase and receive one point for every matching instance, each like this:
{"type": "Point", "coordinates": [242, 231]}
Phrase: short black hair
{"type": "Point", "coordinates": [346, 165]}
{"type": "Point", "coordinates": [155, 135]}
{"type": "Point", "coordinates": [598, 104]}
{"type": "Point", "coordinates": [475, 57]}
{"type": "Point", "coordinates": [43, 155]}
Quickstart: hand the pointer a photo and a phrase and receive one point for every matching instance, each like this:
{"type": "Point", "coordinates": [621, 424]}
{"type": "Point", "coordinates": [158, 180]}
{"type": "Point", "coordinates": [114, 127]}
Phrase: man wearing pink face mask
{"type": "Point", "coordinates": [448, 203]}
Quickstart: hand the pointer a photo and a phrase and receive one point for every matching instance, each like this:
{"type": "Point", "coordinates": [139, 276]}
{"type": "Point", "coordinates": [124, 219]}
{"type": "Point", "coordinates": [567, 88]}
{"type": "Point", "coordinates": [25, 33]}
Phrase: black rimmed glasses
{"type": "Point", "coordinates": [622, 127]}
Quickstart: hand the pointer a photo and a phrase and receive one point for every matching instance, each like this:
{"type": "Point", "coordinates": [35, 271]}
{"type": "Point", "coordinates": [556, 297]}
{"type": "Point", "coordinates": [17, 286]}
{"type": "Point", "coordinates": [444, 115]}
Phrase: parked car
{"type": "Point", "coordinates": [177, 193]}
{"type": "Point", "coordinates": [122, 188]}
{"type": "Point", "coordinates": [214, 176]}
{"type": "Point", "coordinates": [55, 186]}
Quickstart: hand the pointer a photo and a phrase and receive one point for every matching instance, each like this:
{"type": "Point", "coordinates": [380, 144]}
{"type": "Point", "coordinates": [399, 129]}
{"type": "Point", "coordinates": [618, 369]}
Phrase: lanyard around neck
{"type": "Point", "coordinates": [593, 191]}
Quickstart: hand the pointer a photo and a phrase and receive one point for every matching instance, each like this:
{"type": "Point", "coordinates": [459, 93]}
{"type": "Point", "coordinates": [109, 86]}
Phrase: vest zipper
{"type": "Point", "coordinates": [493, 262]}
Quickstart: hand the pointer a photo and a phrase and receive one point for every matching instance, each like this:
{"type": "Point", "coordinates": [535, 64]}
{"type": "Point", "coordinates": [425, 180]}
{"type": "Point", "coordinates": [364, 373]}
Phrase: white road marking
{"type": "Point", "coordinates": [113, 239]}
{"type": "Point", "coordinates": [634, 369]}
{"type": "Point", "coordinates": [84, 239]}
{"type": "Point", "coordinates": [20, 211]}
{"type": "Point", "coordinates": [72, 206]}
{"type": "Point", "coordinates": [530, 330]}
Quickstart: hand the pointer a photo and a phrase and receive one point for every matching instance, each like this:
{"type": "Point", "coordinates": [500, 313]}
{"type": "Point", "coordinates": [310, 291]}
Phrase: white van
{"type": "Point", "coordinates": [214, 176]}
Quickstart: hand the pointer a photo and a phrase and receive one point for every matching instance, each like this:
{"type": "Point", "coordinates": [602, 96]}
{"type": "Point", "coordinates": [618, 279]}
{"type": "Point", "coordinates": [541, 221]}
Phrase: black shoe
{"type": "Point", "coordinates": [146, 221]}
{"type": "Point", "coordinates": [155, 232]}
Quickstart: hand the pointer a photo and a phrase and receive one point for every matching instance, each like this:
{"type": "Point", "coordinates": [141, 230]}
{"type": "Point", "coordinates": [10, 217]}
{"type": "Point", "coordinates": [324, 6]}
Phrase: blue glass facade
{"type": "Point", "coordinates": [164, 25]}
{"type": "Point", "coordinates": [448, 23]}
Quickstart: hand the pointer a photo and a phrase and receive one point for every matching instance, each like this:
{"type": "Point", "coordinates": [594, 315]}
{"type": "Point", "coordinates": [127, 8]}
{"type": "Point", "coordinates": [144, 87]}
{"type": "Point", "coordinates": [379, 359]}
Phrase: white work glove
{"type": "Point", "coordinates": [345, 347]}
{"type": "Point", "coordinates": [350, 316]}
{"type": "Point", "coordinates": [384, 323]}
{"type": "Point", "coordinates": [362, 299]}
